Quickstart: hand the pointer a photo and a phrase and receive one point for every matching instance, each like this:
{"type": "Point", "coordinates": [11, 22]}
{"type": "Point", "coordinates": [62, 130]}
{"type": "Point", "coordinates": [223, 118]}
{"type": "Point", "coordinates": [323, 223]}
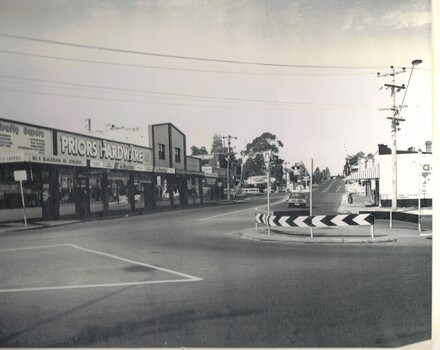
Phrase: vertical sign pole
{"type": "Point", "coordinates": [420, 206]}
{"type": "Point", "coordinates": [311, 197]}
{"type": "Point", "coordinates": [267, 155]}
{"type": "Point", "coordinates": [268, 196]}
{"type": "Point", "coordinates": [372, 231]}
{"type": "Point", "coordinates": [22, 200]}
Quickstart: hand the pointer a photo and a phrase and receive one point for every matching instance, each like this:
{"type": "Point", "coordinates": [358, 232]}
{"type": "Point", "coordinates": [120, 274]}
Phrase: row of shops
{"type": "Point", "coordinates": [373, 178]}
{"type": "Point", "coordinates": [71, 175]}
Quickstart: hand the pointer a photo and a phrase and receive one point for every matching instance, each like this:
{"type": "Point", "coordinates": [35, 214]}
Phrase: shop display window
{"type": "Point", "coordinates": [117, 190]}
{"type": "Point", "coordinates": [66, 184]}
{"type": "Point", "coordinates": [10, 193]}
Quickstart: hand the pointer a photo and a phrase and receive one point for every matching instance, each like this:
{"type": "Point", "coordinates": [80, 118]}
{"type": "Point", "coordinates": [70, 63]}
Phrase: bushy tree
{"type": "Point", "coordinates": [195, 151]}
{"type": "Point", "coordinates": [255, 165]}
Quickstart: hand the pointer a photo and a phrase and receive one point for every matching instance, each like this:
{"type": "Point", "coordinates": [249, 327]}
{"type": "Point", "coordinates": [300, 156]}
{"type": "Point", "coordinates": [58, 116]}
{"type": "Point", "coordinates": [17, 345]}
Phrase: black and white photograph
{"type": "Point", "coordinates": [217, 174]}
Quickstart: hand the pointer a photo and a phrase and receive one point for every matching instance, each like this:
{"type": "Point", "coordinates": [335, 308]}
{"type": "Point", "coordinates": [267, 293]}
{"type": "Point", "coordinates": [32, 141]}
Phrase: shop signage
{"type": "Point", "coordinates": [103, 153]}
{"type": "Point", "coordinates": [210, 181]}
{"type": "Point", "coordinates": [21, 137]}
{"type": "Point", "coordinates": [193, 164]}
{"type": "Point", "coordinates": [426, 177]}
{"type": "Point", "coordinates": [57, 160]}
{"type": "Point", "coordinates": [162, 169]}
{"type": "Point", "coordinates": [204, 156]}
{"type": "Point", "coordinates": [12, 158]}
{"type": "Point", "coordinates": [208, 174]}
{"type": "Point", "coordinates": [222, 172]}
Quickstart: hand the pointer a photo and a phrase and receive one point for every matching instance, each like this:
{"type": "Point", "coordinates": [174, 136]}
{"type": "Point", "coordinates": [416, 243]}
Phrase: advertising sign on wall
{"type": "Point", "coordinates": [103, 153]}
{"type": "Point", "coordinates": [17, 137]}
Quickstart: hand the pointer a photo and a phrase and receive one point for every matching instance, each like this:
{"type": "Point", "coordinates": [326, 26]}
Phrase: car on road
{"type": "Point", "coordinates": [297, 199]}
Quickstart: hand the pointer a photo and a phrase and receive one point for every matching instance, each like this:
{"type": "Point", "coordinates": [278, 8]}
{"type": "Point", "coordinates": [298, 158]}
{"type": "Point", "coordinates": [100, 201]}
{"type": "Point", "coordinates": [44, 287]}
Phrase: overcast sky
{"type": "Point", "coordinates": [198, 65]}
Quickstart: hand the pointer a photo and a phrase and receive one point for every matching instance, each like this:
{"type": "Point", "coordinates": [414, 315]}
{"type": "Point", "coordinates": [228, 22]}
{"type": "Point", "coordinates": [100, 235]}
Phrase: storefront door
{"type": "Point", "coordinates": [82, 198]}
{"type": "Point", "coordinates": [50, 194]}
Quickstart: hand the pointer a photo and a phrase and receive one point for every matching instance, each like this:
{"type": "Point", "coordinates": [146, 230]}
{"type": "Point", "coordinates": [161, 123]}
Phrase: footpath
{"type": "Point", "coordinates": [343, 234]}
{"type": "Point", "coordinates": [32, 224]}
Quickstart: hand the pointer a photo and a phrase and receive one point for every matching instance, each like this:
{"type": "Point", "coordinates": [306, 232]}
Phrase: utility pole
{"type": "Point", "coordinates": [88, 124]}
{"type": "Point", "coordinates": [285, 168]}
{"type": "Point", "coordinates": [395, 122]}
{"type": "Point", "coordinates": [229, 137]}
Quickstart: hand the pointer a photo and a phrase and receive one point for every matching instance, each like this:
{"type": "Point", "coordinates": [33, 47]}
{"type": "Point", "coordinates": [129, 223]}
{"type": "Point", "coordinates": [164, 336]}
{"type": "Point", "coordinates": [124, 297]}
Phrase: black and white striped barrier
{"type": "Point", "coordinates": [316, 220]}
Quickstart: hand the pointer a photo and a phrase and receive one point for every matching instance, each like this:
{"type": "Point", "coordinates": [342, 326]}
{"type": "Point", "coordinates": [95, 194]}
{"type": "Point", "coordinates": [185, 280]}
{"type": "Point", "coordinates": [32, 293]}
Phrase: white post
{"type": "Point", "coordinates": [24, 206]}
{"type": "Point", "coordinates": [311, 196]}
{"type": "Point", "coordinates": [228, 196]}
{"type": "Point", "coordinates": [372, 231]}
{"type": "Point", "coordinates": [391, 218]}
{"type": "Point", "coordinates": [268, 197]}
{"type": "Point", "coordinates": [420, 206]}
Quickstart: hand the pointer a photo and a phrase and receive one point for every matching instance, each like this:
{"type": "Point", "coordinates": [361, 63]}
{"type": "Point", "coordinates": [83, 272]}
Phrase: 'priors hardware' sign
{"type": "Point", "coordinates": [111, 154]}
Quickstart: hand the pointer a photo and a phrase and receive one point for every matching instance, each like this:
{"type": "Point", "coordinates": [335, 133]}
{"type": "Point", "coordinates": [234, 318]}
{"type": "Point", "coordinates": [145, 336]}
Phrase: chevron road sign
{"type": "Point", "coordinates": [315, 221]}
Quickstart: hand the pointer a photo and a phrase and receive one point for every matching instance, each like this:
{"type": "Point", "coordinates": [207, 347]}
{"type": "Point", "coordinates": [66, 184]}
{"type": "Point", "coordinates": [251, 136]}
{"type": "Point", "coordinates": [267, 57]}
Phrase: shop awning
{"type": "Point", "coordinates": [367, 174]}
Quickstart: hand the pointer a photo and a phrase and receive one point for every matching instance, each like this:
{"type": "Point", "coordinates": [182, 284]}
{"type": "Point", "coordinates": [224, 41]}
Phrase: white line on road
{"type": "Point", "coordinates": [136, 262]}
{"type": "Point", "coordinates": [14, 290]}
{"type": "Point", "coordinates": [188, 278]}
{"type": "Point", "coordinates": [36, 247]}
{"type": "Point", "coordinates": [241, 211]}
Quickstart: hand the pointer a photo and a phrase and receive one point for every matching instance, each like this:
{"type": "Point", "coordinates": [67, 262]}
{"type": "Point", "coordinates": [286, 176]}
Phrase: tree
{"type": "Point", "coordinates": [255, 165]}
{"type": "Point", "coordinates": [266, 141]}
{"type": "Point", "coordinates": [195, 151]}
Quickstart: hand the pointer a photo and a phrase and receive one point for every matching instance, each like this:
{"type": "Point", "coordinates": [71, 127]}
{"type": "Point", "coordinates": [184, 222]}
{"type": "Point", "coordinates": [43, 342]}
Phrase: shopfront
{"type": "Point", "coordinates": [78, 176]}
{"type": "Point", "coordinates": [71, 175]}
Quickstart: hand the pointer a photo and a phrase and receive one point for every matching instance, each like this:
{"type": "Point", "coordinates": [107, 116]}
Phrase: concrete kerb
{"type": "Point", "coordinates": [340, 235]}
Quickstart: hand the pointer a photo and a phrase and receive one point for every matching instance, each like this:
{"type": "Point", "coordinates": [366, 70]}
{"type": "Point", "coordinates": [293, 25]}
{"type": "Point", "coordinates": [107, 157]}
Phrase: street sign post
{"type": "Point", "coordinates": [267, 155]}
{"type": "Point", "coordinates": [311, 196]}
{"type": "Point", "coordinates": [21, 175]}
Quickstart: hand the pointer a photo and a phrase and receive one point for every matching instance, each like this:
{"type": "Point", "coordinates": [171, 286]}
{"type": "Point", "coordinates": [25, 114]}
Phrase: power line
{"type": "Point", "coordinates": [174, 68]}
{"type": "Point", "coordinates": [167, 94]}
{"type": "Point", "coordinates": [191, 58]}
{"type": "Point", "coordinates": [305, 108]}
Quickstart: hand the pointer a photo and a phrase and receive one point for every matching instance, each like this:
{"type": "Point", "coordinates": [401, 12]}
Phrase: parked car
{"type": "Point", "coordinates": [297, 200]}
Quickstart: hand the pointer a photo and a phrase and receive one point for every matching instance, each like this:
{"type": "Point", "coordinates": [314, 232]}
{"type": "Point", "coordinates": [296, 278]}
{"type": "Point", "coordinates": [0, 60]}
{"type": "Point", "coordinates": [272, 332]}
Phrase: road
{"type": "Point", "coordinates": [187, 278]}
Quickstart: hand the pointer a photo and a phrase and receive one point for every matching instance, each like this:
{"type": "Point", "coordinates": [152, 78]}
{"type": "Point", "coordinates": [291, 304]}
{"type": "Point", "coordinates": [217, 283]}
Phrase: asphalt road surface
{"type": "Point", "coordinates": [187, 278]}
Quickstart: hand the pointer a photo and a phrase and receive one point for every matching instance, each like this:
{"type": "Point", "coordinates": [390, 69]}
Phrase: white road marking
{"type": "Point", "coordinates": [243, 210]}
{"type": "Point", "coordinates": [36, 247]}
{"type": "Point", "coordinates": [136, 262]}
{"type": "Point", "coordinates": [187, 278]}
{"type": "Point", "coordinates": [14, 290]}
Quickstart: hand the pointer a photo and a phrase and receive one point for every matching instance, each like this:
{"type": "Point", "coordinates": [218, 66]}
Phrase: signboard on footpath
{"type": "Point", "coordinates": [18, 137]}
{"type": "Point", "coordinates": [104, 153]}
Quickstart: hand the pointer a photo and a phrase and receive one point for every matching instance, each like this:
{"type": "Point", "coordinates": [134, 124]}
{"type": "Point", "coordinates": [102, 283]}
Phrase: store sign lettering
{"type": "Point", "coordinates": [77, 146]}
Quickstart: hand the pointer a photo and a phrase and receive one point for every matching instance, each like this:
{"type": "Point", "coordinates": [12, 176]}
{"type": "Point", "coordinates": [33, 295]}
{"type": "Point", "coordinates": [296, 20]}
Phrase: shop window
{"type": "Point", "coordinates": [161, 151]}
{"type": "Point", "coordinates": [177, 155]}
{"type": "Point", "coordinates": [66, 186]}
{"type": "Point", "coordinates": [10, 193]}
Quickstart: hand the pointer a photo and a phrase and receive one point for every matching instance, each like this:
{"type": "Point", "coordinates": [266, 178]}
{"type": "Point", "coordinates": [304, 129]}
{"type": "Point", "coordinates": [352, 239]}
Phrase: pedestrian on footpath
{"type": "Point", "coordinates": [350, 199]}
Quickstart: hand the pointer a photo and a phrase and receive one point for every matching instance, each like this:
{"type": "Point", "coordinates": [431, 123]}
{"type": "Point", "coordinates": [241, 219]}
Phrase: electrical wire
{"type": "Point", "coordinates": [167, 94]}
{"type": "Point", "coordinates": [175, 68]}
{"type": "Point", "coordinates": [190, 58]}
